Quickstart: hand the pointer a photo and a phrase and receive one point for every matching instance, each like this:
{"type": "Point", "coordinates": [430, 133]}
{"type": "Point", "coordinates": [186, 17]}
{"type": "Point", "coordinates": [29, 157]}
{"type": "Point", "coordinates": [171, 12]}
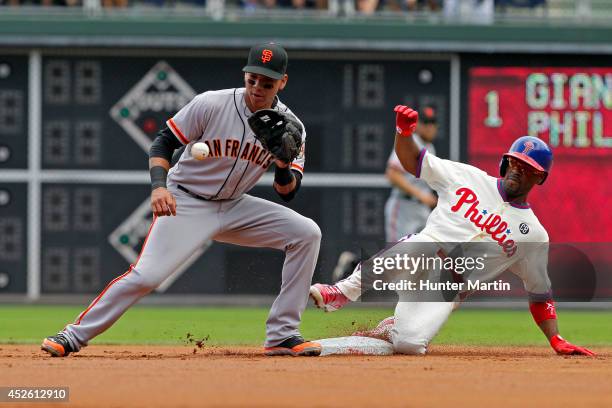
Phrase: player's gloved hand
{"type": "Point", "coordinates": [562, 346]}
{"type": "Point", "coordinates": [405, 120]}
{"type": "Point", "coordinates": [278, 132]}
{"type": "Point", "coordinates": [162, 202]}
{"type": "Point", "coordinates": [290, 144]}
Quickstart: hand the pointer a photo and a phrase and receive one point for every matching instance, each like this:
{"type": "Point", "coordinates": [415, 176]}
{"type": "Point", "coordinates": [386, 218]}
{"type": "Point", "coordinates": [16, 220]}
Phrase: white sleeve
{"type": "Point", "coordinates": [441, 173]}
{"type": "Point", "coordinates": [533, 270]}
{"type": "Point", "coordinates": [298, 163]}
{"type": "Point", "coordinates": [189, 123]}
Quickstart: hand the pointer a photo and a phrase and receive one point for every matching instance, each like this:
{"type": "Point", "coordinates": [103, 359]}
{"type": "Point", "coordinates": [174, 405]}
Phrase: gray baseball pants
{"type": "Point", "coordinates": [404, 217]}
{"type": "Point", "coordinates": [246, 221]}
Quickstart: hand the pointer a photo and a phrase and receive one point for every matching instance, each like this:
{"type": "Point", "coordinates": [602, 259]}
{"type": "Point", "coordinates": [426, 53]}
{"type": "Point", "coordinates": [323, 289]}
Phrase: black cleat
{"type": "Point", "coordinates": [57, 346]}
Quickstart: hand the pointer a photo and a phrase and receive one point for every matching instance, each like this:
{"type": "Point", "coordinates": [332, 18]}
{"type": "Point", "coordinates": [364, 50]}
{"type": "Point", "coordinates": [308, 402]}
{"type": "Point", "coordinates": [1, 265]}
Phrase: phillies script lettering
{"type": "Point", "coordinates": [492, 224]}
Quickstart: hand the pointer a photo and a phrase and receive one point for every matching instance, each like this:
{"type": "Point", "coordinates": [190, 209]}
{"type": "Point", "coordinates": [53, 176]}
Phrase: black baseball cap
{"type": "Point", "coordinates": [267, 59]}
{"type": "Point", "coordinates": [428, 115]}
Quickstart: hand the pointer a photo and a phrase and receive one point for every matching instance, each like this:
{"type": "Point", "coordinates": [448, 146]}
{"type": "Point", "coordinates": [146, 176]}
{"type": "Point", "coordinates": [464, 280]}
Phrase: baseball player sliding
{"type": "Point", "coordinates": [473, 208]}
{"type": "Point", "coordinates": [245, 131]}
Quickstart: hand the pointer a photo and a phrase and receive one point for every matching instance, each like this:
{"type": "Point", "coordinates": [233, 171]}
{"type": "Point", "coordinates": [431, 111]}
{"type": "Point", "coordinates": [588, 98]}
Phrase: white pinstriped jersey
{"type": "Point", "coordinates": [237, 160]}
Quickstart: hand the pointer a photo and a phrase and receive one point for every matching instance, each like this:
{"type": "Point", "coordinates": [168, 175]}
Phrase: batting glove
{"type": "Point", "coordinates": [405, 120]}
{"type": "Point", "coordinates": [564, 347]}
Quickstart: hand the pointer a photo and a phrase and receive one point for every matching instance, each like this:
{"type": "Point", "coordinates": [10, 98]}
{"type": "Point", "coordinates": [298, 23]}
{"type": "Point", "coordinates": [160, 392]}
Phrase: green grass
{"type": "Point", "coordinates": [245, 326]}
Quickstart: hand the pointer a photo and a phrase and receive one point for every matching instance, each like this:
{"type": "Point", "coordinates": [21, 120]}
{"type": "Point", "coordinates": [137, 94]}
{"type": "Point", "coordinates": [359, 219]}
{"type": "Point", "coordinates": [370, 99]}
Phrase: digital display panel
{"type": "Point", "coordinates": [13, 237]}
{"type": "Point", "coordinates": [570, 108]}
{"type": "Point", "coordinates": [91, 233]}
{"type": "Point", "coordinates": [102, 112]}
{"type": "Point", "coordinates": [13, 111]}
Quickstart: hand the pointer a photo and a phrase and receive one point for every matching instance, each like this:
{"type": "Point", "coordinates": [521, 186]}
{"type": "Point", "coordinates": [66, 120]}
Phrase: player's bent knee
{"type": "Point", "coordinates": [409, 346]}
{"type": "Point", "coordinates": [310, 231]}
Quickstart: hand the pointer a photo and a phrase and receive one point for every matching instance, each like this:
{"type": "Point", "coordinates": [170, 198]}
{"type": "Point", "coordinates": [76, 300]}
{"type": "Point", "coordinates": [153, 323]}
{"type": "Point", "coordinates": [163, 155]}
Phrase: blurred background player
{"type": "Point", "coordinates": [411, 199]}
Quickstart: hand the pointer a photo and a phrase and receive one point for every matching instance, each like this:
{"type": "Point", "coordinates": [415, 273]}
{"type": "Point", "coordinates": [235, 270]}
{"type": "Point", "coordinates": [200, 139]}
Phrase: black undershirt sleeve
{"type": "Point", "coordinates": [298, 182]}
{"type": "Point", "coordinates": [177, 155]}
{"type": "Point", "coordinates": [164, 145]}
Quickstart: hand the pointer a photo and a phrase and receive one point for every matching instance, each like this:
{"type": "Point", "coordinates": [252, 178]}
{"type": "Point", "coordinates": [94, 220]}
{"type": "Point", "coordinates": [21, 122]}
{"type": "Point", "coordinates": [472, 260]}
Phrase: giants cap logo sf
{"type": "Point", "coordinates": [266, 56]}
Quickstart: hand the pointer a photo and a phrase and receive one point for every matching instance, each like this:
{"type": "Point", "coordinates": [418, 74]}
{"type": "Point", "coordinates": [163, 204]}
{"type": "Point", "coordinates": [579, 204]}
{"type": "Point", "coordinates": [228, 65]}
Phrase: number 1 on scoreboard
{"type": "Point", "coordinates": [492, 119]}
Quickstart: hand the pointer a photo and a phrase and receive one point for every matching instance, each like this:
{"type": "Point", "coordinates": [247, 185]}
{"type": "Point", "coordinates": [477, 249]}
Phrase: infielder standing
{"type": "Point", "coordinates": [476, 209]}
{"type": "Point", "coordinates": [198, 200]}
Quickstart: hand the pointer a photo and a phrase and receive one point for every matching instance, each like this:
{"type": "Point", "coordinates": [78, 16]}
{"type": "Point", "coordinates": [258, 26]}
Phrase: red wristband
{"type": "Point", "coordinates": [556, 340]}
{"type": "Point", "coordinates": [402, 132]}
{"type": "Point", "coordinates": [543, 311]}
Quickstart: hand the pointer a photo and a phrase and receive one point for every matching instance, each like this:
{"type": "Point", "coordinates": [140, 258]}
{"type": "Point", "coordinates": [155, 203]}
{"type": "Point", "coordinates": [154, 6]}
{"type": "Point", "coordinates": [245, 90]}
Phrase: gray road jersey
{"type": "Point", "coordinates": [236, 161]}
{"type": "Point", "coordinates": [395, 163]}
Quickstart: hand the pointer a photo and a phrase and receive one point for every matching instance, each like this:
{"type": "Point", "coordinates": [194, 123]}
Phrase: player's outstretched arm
{"type": "Point", "coordinates": [406, 149]}
{"type": "Point", "coordinates": [545, 317]}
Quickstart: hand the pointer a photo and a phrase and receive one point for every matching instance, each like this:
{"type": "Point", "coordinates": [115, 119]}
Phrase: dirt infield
{"type": "Point", "coordinates": [146, 376]}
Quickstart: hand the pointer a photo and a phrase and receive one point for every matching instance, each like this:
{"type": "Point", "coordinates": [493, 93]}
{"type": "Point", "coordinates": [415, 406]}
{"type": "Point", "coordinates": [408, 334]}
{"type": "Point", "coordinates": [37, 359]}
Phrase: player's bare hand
{"type": "Point", "coordinates": [405, 120]}
{"type": "Point", "coordinates": [564, 347]}
{"type": "Point", "coordinates": [162, 202]}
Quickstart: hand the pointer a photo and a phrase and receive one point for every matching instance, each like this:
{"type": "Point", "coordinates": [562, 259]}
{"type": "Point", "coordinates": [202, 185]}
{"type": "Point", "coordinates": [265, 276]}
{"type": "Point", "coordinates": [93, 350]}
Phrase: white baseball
{"type": "Point", "coordinates": [200, 151]}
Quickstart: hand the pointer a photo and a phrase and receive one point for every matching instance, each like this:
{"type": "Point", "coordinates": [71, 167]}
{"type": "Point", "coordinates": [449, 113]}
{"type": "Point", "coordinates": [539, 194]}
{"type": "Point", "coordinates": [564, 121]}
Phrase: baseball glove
{"type": "Point", "coordinates": [278, 132]}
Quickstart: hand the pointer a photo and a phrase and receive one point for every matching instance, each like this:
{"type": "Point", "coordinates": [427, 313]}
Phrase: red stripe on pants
{"type": "Point", "coordinates": [118, 278]}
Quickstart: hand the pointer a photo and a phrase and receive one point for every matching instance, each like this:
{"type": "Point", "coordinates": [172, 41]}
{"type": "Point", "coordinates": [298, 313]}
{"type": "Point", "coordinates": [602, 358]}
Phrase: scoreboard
{"type": "Point", "coordinates": [13, 112]}
{"type": "Point", "coordinates": [94, 113]}
{"type": "Point", "coordinates": [13, 154]}
{"type": "Point", "coordinates": [13, 237]}
{"type": "Point", "coordinates": [99, 114]}
{"type": "Point", "coordinates": [570, 108]}
{"type": "Point", "coordinates": [102, 112]}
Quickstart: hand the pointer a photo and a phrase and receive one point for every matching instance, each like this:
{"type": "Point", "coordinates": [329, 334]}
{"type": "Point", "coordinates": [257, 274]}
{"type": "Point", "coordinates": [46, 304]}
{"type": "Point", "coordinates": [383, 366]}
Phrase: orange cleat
{"type": "Point", "coordinates": [294, 346]}
{"type": "Point", "coordinates": [57, 346]}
